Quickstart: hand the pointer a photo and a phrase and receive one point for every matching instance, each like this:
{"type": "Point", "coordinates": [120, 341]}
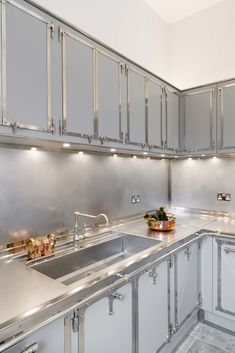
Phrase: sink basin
{"type": "Point", "coordinates": [86, 261]}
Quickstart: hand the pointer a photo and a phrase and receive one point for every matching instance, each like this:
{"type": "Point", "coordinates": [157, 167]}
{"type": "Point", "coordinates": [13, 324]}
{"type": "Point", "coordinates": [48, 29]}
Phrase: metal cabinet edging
{"type": "Point", "coordinates": [49, 28]}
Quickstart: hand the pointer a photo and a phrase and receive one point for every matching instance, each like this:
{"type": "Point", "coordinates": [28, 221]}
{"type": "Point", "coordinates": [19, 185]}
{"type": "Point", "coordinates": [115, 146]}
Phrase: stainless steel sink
{"type": "Point", "coordinates": [86, 261]}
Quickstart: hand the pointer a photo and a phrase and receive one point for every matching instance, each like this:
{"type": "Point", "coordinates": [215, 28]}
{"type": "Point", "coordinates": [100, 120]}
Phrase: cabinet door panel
{"type": "Point", "coordinates": [27, 76]}
{"type": "Point", "coordinates": [154, 114]}
{"type": "Point", "coordinates": [198, 110]}
{"type": "Point", "coordinates": [109, 96]}
{"type": "Point", "coordinates": [226, 123]}
{"type": "Point", "coordinates": [136, 103]}
{"type": "Point", "coordinates": [153, 309]}
{"type": "Point", "coordinates": [172, 120]}
{"type": "Point", "coordinates": [186, 275]}
{"type": "Point", "coordinates": [78, 86]}
{"type": "Point", "coordinates": [109, 333]}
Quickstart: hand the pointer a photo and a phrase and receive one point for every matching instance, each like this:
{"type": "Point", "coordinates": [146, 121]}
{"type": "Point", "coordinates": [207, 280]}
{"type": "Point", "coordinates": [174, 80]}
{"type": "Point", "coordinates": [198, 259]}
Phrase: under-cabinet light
{"type": "Point", "coordinates": [33, 149]}
{"type": "Point", "coordinates": [144, 153]}
{"type": "Point", "coordinates": [163, 155]}
{"type": "Point", "coordinates": [80, 153]}
{"type": "Point", "coordinates": [113, 150]}
{"type": "Point", "coordinates": [176, 156]}
{"type": "Point", "coordinates": [66, 145]}
{"type": "Point", "coordinates": [115, 155]}
{"type": "Point", "coordinates": [148, 157]}
{"type": "Point", "coordinates": [134, 157]}
{"type": "Point", "coordinates": [189, 158]}
{"type": "Point", "coordinates": [203, 155]}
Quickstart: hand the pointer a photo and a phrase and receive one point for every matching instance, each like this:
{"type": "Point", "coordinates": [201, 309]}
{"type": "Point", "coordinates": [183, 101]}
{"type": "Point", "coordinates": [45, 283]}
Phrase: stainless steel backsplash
{"type": "Point", "coordinates": [39, 191]}
{"type": "Point", "coordinates": [195, 183]}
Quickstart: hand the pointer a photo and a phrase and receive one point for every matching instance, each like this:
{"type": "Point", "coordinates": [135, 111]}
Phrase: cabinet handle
{"type": "Point", "coordinates": [153, 275]}
{"type": "Point", "coordinates": [112, 297]}
{"type": "Point", "coordinates": [228, 250]}
{"type": "Point", "coordinates": [31, 349]}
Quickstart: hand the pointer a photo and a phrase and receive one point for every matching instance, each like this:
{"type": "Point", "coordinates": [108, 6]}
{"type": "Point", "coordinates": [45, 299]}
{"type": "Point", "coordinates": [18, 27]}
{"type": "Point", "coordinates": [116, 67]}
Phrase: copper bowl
{"type": "Point", "coordinates": [161, 226]}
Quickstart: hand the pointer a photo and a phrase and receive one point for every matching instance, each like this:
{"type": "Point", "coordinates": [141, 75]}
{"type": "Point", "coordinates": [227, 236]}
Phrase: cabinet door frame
{"type": "Point", "coordinates": [50, 35]}
{"type": "Point", "coordinates": [221, 242]}
{"type": "Point", "coordinates": [63, 128]}
{"type": "Point", "coordinates": [127, 139]}
{"type": "Point", "coordinates": [178, 324]}
{"type": "Point", "coordinates": [160, 85]}
{"type": "Point", "coordinates": [221, 118]}
{"type": "Point", "coordinates": [211, 144]}
{"type": "Point", "coordinates": [165, 143]}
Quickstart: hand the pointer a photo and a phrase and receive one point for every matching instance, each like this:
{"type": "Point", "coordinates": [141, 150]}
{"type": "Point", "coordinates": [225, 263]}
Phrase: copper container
{"type": "Point", "coordinates": [162, 226]}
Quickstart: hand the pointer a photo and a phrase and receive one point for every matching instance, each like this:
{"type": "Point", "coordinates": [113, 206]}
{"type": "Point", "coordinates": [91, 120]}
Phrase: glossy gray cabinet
{"type": "Point", "coordinates": [226, 116]}
{"type": "Point", "coordinates": [172, 115]}
{"type": "Point", "coordinates": [187, 283]}
{"type": "Point", "coordinates": [153, 308]}
{"type": "Point", "coordinates": [48, 339]}
{"type": "Point", "coordinates": [26, 68]}
{"type": "Point", "coordinates": [199, 120]}
{"type": "Point", "coordinates": [107, 325]}
{"type": "Point", "coordinates": [78, 77]}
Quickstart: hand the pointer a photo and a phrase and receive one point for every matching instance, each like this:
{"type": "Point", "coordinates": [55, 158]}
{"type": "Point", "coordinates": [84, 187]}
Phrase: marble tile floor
{"type": "Point", "coordinates": [207, 339]}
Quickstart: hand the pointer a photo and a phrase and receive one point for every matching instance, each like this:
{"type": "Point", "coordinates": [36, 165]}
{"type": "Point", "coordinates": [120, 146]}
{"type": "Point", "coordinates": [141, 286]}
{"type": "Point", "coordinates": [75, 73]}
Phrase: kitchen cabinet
{"type": "Point", "coordinates": [186, 290]}
{"type": "Point", "coordinates": [48, 339]}
{"type": "Point", "coordinates": [26, 68]}
{"type": "Point", "coordinates": [107, 323]}
{"type": "Point", "coordinates": [172, 114]}
{"type": "Point", "coordinates": [153, 308]}
{"type": "Point", "coordinates": [154, 114]}
{"type": "Point", "coordinates": [199, 120]}
{"type": "Point", "coordinates": [224, 277]}
{"type": "Point", "coordinates": [225, 116]}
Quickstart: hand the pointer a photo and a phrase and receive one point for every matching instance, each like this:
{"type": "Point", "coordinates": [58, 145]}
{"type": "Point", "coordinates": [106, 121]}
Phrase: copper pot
{"type": "Point", "coordinates": [162, 226]}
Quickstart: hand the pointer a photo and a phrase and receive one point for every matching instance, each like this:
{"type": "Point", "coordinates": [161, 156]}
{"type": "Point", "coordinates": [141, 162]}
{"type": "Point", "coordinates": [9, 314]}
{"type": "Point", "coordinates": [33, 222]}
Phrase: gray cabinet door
{"type": "Point", "coordinates": [153, 304]}
{"type": "Point", "coordinates": [107, 333]}
{"type": "Point", "coordinates": [224, 277]}
{"type": "Point", "coordinates": [154, 114]}
{"type": "Point", "coordinates": [199, 120]}
{"type": "Point", "coordinates": [109, 83]}
{"type": "Point", "coordinates": [26, 68]}
{"type": "Point", "coordinates": [186, 283]}
{"type": "Point", "coordinates": [136, 117]}
{"type": "Point", "coordinates": [49, 339]}
{"type": "Point", "coordinates": [226, 116]}
{"type": "Point", "coordinates": [78, 70]}
{"type": "Point", "coordinates": [171, 120]}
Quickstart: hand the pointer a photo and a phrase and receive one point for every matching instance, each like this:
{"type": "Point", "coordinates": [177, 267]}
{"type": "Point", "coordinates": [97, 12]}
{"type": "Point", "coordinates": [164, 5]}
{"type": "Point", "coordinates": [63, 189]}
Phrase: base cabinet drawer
{"type": "Point", "coordinates": [48, 339]}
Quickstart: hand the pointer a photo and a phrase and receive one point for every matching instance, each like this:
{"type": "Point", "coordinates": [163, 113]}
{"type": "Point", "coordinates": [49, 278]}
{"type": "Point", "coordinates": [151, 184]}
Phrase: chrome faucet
{"type": "Point", "coordinates": [77, 214]}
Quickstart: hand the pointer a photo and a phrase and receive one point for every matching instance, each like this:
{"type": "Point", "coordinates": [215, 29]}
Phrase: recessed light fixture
{"type": "Point", "coordinates": [115, 155]}
{"type": "Point", "coordinates": [81, 153]}
{"type": "Point", "coordinates": [134, 157]}
{"type": "Point", "coordinates": [113, 150]}
{"type": "Point", "coordinates": [66, 145]}
{"type": "Point", "coordinates": [144, 153]}
{"type": "Point", "coordinates": [33, 149]}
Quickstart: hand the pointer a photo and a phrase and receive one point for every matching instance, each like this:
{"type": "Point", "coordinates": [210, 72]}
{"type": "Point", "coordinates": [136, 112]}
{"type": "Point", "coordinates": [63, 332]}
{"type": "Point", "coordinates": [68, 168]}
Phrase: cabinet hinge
{"type": "Point", "coordinates": [75, 321]}
{"type": "Point", "coordinates": [170, 262]}
{"type": "Point", "coordinates": [60, 34]}
{"type": "Point", "coordinates": [199, 299]}
{"type": "Point", "coordinates": [52, 29]}
{"type": "Point", "coordinates": [199, 244]}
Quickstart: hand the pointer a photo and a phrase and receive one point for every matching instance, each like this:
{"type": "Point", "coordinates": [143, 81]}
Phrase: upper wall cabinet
{"type": "Point", "coordinates": [199, 120]}
{"type": "Point", "coordinates": [226, 116]}
{"type": "Point", "coordinates": [26, 68]}
{"type": "Point", "coordinates": [172, 114]}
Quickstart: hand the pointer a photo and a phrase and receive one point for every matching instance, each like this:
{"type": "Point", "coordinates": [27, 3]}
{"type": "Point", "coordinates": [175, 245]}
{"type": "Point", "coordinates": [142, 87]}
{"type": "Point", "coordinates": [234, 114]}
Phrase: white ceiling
{"type": "Point", "coordinates": [175, 10]}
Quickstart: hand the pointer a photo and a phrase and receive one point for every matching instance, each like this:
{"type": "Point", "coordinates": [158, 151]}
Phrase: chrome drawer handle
{"type": "Point", "coordinates": [228, 250]}
{"type": "Point", "coordinates": [31, 349]}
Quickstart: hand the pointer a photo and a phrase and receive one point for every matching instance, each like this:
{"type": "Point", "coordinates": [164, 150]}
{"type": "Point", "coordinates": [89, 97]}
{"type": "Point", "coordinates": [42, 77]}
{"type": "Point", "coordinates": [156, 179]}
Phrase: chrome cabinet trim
{"type": "Point", "coordinates": [221, 116]}
{"type": "Point", "coordinates": [50, 30]}
{"type": "Point", "coordinates": [221, 242]}
{"type": "Point", "coordinates": [146, 108]}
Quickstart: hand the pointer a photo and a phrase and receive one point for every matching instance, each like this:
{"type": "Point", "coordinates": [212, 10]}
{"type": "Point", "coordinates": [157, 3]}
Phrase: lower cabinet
{"type": "Point", "coordinates": [186, 280]}
{"type": "Point", "coordinates": [107, 324]}
{"type": "Point", "coordinates": [224, 277]}
{"type": "Point", "coordinates": [153, 308]}
{"type": "Point", "coordinates": [48, 339]}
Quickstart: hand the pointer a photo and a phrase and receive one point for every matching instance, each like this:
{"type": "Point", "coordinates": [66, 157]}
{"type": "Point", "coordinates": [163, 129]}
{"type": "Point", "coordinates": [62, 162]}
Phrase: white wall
{"type": "Point", "coordinates": [202, 48]}
{"type": "Point", "coordinates": [129, 26]}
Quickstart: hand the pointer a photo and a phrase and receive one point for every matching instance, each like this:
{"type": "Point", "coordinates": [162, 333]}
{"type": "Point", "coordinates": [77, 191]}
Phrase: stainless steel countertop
{"type": "Point", "coordinates": [23, 289]}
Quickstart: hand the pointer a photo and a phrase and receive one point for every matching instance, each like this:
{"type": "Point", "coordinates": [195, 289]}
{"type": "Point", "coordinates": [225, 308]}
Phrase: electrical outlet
{"type": "Point", "coordinates": [223, 196]}
{"type": "Point", "coordinates": [135, 199]}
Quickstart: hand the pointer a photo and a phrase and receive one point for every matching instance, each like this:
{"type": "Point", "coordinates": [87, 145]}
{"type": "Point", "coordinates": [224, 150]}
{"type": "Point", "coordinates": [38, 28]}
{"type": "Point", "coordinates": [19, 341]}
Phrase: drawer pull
{"type": "Point", "coordinates": [31, 349]}
{"type": "Point", "coordinates": [228, 250]}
